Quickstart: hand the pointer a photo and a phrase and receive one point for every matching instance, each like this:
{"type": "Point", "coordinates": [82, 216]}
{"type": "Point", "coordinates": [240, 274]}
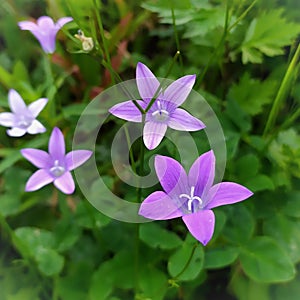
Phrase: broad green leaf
{"type": "Point", "coordinates": [292, 204]}
{"type": "Point", "coordinates": [157, 237]}
{"type": "Point", "coordinates": [247, 166]}
{"type": "Point", "coordinates": [252, 94]}
{"type": "Point", "coordinates": [263, 260]}
{"type": "Point", "coordinates": [220, 257]}
{"type": "Point", "coordinates": [268, 34]}
{"type": "Point", "coordinates": [153, 283]}
{"type": "Point", "coordinates": [240, 224]}
{"type": "Point", "coordinates": [260, 182]}
{"type": "Point", "coordinates": [49, 261]}
{"type": "Point", "coordinates": [289, 290]}
{"type": "Point", "coordinates": [187, 262]}
{"type": "Point", "coordinates": [286, 231]}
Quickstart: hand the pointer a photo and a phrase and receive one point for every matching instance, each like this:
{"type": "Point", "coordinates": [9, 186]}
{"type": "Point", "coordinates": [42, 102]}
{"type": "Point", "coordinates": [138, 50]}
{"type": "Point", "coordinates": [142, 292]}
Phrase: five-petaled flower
{"type": "Point", "coordinates": [45, 30]}
{"type": "Point", "coordinates": [22, 119]}
{"type": "Point", "coordinates": [164, 112]}
{"type": "Point", "coordinates": [191, 196]}
{"type": "Point", "coordinates": [54, 166]}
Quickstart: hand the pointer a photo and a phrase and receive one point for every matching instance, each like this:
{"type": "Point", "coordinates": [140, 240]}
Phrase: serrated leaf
{"type": "Point", "coordinates": [157, 237]}
{"type": "Point", "coordinates": [263, 260]}
{"type": "Point", "coordinates": [268, 34]}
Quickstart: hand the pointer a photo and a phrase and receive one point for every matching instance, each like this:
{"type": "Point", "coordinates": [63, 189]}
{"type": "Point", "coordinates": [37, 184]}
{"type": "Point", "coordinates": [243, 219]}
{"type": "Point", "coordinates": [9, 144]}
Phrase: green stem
{"type": "Point", "coordinates": [129, 148]}
{"type": "Point", "coordinates": [187, 263]}
{"type": "Point", "coordinates": [136, 258]}
{"type": "Point", "coordinates": [176, 34]}
{"type": "Point", "coordinates": [162, 82]}
{"type": "Point", "coordinates": [282, 92]}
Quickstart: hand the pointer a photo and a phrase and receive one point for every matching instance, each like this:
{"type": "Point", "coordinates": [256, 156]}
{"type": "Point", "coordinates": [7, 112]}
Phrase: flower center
{"type": "Point", "coordinates": [160, 114]}
{"type": "Point", "coordinates": [57, 170]}
{"type": "Point", "coordinates": [191, 205]}
{"type": "Point", "coordinates": [24, 122]}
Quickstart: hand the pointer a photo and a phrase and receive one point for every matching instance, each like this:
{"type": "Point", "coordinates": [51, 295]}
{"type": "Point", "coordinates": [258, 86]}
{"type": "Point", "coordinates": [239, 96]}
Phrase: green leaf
{"type": "Point", "coordinates": [289, 290]}
{"type": "Point", "coordinates": [268, 34]}
{"type": "Point", "coordinates": [292, 204]}
{"type": "Point", "coordinates": [187, 262]}
{"type": "Point", "coordinates": [263, 260]}
{"type": "Point", "coordinates": [252, 94]}
{"type": "Point", "coordinates": [49, 261]}
{"type": "Point", "coordinates": [260, 182]}
{"type": "Point", "coordinates": [220, 257]}
{"type": "Point", "coordinates": [155, 236]}
{"type": "Point", "coordinates": [286, 231]}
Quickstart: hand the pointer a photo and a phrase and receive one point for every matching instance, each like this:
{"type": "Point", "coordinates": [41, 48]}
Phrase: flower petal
{"type": "Point", "coordinates": [182, 120]}
{"type": "Point", "coordinates": [7, 119]}
{"type": "Point", "coordinates": [16, 103]}
{"type": "Point", "coordinates": [226, 193]}
{"type": "Point", "coordinates": [57, 144]}
{"type": "Point", "coordinates": [16, 132]}
{"type": "Point", "coordinates": [178, 90]}
{"type": "Point", "coordinates": [171, 175]}
{"type": "Point", "coordinates": [62, 21]}
{"type": "Point", "coordinates": [38, 158]}
{"type": "Point", "coordinates": [202, 173]}
{"type": "Point", "coordinates": [76, 158]}
{"type": "Point", "coordinates": [27, 25]}
{"type": "Point", "coordinates": [128, 111]}
{"type": "Point", "coordinates": [37, 106]}
{"type": "Point", "coordinates": [36, 127]}
{"type": "Point", "coordinates": [37, 180]}
{"type": "Point", "coordinates": [146, 81]}
{"type": "Point", "coordinates": [201, 225]}
{"type": "Point", "coordinates": [153, 133]}
{"type": "Point", "coordinates": [45, 23]}
{"type": "Point", "coordinates": [65, 183]}
{"type": "Point", "coordinates": [159, 206]}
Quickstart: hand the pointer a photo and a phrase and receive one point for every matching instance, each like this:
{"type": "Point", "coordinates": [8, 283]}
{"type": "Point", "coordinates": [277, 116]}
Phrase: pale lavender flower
{"type": "Point", "coordinates": [22, 119]}
{"type": "Point", "coordinates": [191, 196]}
{"type": "Point", "coordinates": [45, 30]}
{"type": "Point", "coordinates": [54, 166]}
{"type": "Point", "coordinates": [164, 112]}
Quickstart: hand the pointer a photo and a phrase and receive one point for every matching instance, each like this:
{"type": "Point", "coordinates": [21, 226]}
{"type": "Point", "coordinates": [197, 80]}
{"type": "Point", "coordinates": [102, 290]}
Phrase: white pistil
{"type": "Point", "coordinates": [191, 198]}
{"type": "Point", "coordinates": [160, 114]}
{"type": "Point", "coordinates": [57, 170]}
{"type": "Point", "coordinates": [24, 122]}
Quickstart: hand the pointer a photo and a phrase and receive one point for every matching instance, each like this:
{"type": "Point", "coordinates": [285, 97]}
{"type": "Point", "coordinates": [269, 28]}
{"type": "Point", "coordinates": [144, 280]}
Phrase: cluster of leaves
{"type": "Point", "coordinates": [58, 247]}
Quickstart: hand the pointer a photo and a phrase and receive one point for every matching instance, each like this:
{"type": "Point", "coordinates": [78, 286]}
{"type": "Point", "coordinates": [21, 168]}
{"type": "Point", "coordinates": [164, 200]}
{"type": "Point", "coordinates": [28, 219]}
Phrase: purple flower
{"type": "Point", "coordinates": [54, 166]}
{"type": "Point", "coordinates": [191, 196]}
{"type": "Point", "coordinates": [22, 119]}
{"type": "Point", "coordinates": [164, 112]}
{"type": "Point", "coordinates": [45, 30]}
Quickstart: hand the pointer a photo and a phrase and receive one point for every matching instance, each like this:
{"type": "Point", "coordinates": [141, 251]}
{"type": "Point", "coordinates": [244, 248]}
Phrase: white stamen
{"type": "Point", "coordinates": [160, 114]}
{"type": "Point", "coordinates": [191, 198]}
{"type": "Point", "coordinates": [24, 122]}
{"type": "Point", "coordinates": [57, 170]}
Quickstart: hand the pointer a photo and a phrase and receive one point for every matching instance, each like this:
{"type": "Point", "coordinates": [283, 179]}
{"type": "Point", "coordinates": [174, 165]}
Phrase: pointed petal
{"type": "Point", "coordinates": [153, 134]}
{"type": "Point", "coordinates": [37, 106]}
{"type": "Point", "coordinates": [38, 158]}
{"type": "Point", "coordinates": [182, 120]}
{"type": "Point", "coordinates": [57, 144]}
{"type": "Point", "coordinates": [62, 21]}
{"type": "Point", "coordinates": [36, 127]}
{"type": "Point", "coordinates": [128, 111]}
{"type": "Point", "coordinates": [159, 206]}
{"type": "Point", "coordinates": [201, 225]}
{"type": "Point", "coordinates": [37, 180]}
{"type": "Point", "coordinates": [76, 158]}
{"type": "Point", "coordinates": [226, 193]}
{"type": "Point", "coordinates": [65, 183]}
{"type": "Point", "coordinates": [171, 176]}
{"type": "Point", "coordinates": [7, 119]}
{"type": "Point", "coordinates": [27, 25]}
{"type": "Point", "coordinates": [146, 81]}
{"type": "Point", "coordinates": [16, 132]}
{"type": "Point", "coordinates": [16, 103]}
{"type": "Point", "coordinates": [202, 173]}
{"type": "Point", "coordinates": [178, 90]}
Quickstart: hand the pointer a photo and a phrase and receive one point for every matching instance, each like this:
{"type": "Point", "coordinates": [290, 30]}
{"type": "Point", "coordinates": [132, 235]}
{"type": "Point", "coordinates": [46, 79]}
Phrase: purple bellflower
{"type": "Point", "coordinates": [164, 112]}
{"type": "Point", "coordinates": [45, 30]}
{"type": "Point", "coordinates": [22, 119]}
{"type": "Point", "coordinates": [191, 196]}
{"type": "Point", "coordinates": [54, 166]}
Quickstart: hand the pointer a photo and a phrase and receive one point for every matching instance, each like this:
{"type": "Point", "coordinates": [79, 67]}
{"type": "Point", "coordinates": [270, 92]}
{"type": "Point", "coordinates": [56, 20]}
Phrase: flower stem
{"type": "Point", "coordinates": [282, 92]}
{"type": "Point", "coordinates": [176, 34]}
